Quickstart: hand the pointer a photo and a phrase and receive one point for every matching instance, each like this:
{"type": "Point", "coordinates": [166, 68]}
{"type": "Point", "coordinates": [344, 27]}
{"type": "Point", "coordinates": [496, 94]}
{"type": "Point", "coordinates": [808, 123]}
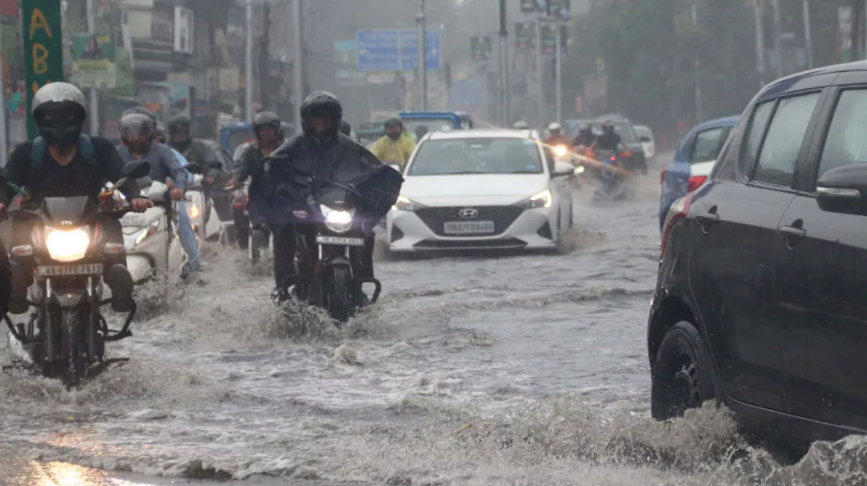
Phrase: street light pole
{"type": "Point", "coordinates": [298, 62]}
{"type": "Point", "coordinates": [778, 44]}
{"type": "Point", "coordinates": [540, 91]}
{"type": "Point", "coordinates": [558, 66]}
{"type": "Point", "coordinates": [808, 34]}
{"type": "Point", "coordinates": [4, 148]}
{"type": "Point", "coordinates": [422, 57]}
{"type": "Point", "coordinates": [248, 73]}
{"type": "Point", "coordinates": [93, 110]}
{"type": "Point", "coordinates": [760, 42]}
{"type": "Point", "coordinates": [697, 68]}
{"type": "Point", "coordinates": [505, 91]}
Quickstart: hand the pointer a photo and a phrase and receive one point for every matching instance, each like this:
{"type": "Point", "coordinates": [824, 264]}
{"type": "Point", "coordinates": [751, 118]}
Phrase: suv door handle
{"type": "Point", "coordinates": [792, 235]}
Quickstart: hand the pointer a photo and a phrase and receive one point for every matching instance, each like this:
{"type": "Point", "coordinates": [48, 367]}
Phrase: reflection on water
{"type": "Point", "coordinates": [60, 474]}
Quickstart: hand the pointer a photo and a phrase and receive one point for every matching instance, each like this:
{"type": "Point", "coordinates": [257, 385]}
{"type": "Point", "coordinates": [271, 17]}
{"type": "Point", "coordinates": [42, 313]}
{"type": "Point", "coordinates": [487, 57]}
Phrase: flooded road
{"type": "Point", "coordinates": [496, 370]}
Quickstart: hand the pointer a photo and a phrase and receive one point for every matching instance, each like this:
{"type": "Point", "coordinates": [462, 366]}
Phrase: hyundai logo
{"type": "Point", "coordinates": [468, 213]}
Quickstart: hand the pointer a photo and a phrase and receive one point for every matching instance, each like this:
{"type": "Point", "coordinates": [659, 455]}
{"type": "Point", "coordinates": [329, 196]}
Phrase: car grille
{"type": "Point", "coordinates": [502, 216]}
{"type": "Point", "coordinates": [504, 244]}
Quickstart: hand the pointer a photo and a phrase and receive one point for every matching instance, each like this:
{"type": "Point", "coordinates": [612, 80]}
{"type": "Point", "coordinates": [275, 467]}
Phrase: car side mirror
{"type": "Point", "coordinates": [562, 169]}
{"type": "Point", "coordinates": [645, 140]}
{"type": "Point", "coordinates": [843, 190]}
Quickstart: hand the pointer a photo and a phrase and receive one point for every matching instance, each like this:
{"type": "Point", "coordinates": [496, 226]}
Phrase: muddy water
{"type": "Point", "coordinates": [472, 370]}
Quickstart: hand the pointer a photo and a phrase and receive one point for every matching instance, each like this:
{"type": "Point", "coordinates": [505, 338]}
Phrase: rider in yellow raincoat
{"type": "Point", "coordinates": [394, 147]}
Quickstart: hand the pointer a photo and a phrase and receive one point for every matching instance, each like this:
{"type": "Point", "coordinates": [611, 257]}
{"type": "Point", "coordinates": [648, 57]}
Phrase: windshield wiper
{"type": "Point", "coordinates": [466, 172]}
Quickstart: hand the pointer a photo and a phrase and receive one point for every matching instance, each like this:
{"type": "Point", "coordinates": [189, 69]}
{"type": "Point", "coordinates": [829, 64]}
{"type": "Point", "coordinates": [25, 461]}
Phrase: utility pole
{"type": "Point", "coordinates": [808, 34]}
{"type": "Point", "coordinates": [697, 69]}
{"type": "Point", "coordinates": [4, 146]}
{"type": "Point", "coordinates": [265, 58]}
{"type": "Point", "coordinates": [422, 57]}
{"type": "Point", "coordinates": [505, 91]}
{"type": "Point", "coordinates": [248, 74]}
{"type": "Point", "coordinates": [93, 109]}
{"type": "Point", "coordinates": [297, 62]}
{"type": "Point", "coordinates": [778, 45]}
{"type": "Point", "coordinates": [540, 92]}
{"type": "Point", "coordinates": [760, 42]}
{"type": "Point", "coordinates": [558, 66]}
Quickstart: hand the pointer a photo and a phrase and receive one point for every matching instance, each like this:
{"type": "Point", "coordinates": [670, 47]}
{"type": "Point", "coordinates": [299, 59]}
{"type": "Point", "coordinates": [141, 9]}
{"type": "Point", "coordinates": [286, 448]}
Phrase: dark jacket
{"type": "Point", "coordinates": [283, 183]}
{"type": "Point", "coordinates": [213, 161]}
{"type": "Point", "coordinates": [246, 158]}
{"type": "Point", "coordinates": [164, 164]}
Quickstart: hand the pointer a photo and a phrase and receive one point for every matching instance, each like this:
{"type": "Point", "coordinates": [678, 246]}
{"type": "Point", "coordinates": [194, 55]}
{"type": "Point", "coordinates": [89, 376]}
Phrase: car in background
{"type": "Point", "coordinates": [481, 190]}
{"type": "Point", "coordinates": [648, 143]}
{"type": "Point", "coordinates": [693, 161]}
{"type": "Point", "coordinates": [760, 301]}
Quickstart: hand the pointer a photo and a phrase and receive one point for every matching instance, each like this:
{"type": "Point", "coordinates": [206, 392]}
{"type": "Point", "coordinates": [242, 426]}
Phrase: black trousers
{"type": "Point", "coordinates": [289, 261]}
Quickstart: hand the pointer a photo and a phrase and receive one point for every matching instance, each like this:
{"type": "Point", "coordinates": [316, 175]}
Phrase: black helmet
{"type": "Point", "coordinates": [392, 122]}
{"type": "Point", "coordinates": [268, 119]}
{"type": "Point", "coordinates": [345, 128]}
{"type": "Point", "coordinates": [321, 103]}
{"type": "Point", "coordinates": [180, 125]}
{"type": "Point", "coordinates": [160, 133]}
{"type": "Point", "coordinates": [140, 125]}
{"type": "Point", "coordinates": [60, 131]}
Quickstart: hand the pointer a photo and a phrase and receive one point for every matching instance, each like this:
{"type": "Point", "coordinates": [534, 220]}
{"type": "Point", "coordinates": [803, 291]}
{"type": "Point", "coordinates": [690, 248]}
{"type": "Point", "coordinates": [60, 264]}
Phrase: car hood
{"type": "Point", "coordinates": [491, 189]}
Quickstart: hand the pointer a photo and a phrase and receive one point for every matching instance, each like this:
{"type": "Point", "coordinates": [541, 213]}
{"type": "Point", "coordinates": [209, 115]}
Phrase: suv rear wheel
{"type": "Point", "coordinates": [682, 373]}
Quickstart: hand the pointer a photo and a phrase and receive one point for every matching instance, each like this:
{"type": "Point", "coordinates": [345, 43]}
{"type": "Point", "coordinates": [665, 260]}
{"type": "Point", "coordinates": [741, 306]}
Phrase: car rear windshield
{"type": "Point", "coordinates": [643, 132]}
{"type": "Point", "coordinates": [477, 156]}
{"type": "Point", "coordinates": [428, 125]}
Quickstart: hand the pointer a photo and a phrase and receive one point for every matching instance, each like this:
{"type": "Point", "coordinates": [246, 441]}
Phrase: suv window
{"type": "Point", "coordinates": [779, 152]}
{"type": "Point", "coordinates": [707, 145]}
{"type": "Point", "coordinates": [846, 143]}
{"type": "Point", "coordinates": [758, 126]}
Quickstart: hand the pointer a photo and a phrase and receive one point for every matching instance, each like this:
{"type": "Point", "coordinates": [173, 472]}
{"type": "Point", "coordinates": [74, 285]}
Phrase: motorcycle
{"type": "Point", "coordinates": [611, 177]}
{"type": "Point", "coordinates": [248, 241]}
{"type": "Point", "coordinates": [149, 238]}
{"type": "Point", "coordinates": [331, 254]}
{"type": "Point", "coordinates": [66, 335]}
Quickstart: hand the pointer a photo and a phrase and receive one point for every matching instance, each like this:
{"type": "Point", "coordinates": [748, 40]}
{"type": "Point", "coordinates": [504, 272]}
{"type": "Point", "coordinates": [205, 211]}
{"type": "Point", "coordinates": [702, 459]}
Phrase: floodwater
{"type": "Point", "coordinates": [494, 370]}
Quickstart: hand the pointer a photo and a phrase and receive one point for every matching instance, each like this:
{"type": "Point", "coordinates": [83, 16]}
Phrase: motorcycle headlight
{"type": "Point", "coordinates": [194, 212]}
{"type": "Point", "coordinates": [542, 200]}
{"type": "Point", "coordinates": [67, 246]}
{"type": "Point", "coordinates": [579, 169]}
{"type": "Point", "coordinates": [337, 221]}
{"type": "Point", "coordinates": [560, 151]}
{"type": "Point", "coordinates": [405, 204]}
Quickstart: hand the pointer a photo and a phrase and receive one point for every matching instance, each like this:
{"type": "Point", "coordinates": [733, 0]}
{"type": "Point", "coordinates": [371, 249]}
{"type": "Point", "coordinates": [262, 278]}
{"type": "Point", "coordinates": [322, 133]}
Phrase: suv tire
{"type": "Point", "coordinates": [683, 376]}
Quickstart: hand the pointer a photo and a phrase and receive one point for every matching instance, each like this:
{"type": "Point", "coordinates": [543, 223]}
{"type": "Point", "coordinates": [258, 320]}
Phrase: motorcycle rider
{"type": "Point", "coordinates": [137, 132]}
{"type": "Point", "coordinates": [62, 162]}
{"type": "Point", "coordinates": [585, 136]}
{"type": "Point", "coordinates": [394, 146]}
{"type": "Point", "coordinates": [268, 129]}
{"type": "Point", "coordinates": [318, 153]}
{"type": "Point", "coordinates": [609, 140]}
{"type": "Point", "coordinates": [556, 135]}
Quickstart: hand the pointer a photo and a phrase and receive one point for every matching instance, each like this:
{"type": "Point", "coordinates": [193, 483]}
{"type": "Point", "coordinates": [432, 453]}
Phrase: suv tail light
{"type": "Point", "coordinates": [695, 182]}
{"type": "Point", "coordinates": [662, 177]}
{"type": "Point", "coordinates": [676, 212]}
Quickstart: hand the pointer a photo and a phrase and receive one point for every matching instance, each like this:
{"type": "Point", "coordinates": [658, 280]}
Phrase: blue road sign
{"type": "Point", "coordinates": [395, 50]}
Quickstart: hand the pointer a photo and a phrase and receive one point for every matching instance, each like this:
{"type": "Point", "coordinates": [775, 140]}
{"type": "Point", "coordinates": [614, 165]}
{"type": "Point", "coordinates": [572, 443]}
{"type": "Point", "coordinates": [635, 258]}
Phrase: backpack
{"type": "Point", "coordinates": [40, 146]}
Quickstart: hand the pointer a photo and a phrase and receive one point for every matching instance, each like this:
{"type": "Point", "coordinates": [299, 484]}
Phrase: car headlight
{"type": "Point", "coordinates": [67, 246]}
{"type": "Point", "coordinates": [337, 220]}
{"type": "Point", "coordinates": [405, 204]}
{"type": "Point", "coordinates": [152, 228]}
{"type": "Point", "coordinates": [542, 200]}
{"type": "Point", "coordinates": [560, 151]}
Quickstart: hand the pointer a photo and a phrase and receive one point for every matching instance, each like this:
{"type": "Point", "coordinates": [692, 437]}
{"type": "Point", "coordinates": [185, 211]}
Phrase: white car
{"type": "Point", "coordinates": [481, 190]}
{"type": "Point", "coordinates": [648, 143]}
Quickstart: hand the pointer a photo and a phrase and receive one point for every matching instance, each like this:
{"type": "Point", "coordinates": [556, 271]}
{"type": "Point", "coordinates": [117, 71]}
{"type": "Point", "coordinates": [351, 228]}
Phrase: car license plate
{"type": "Point", "coordinates": [68, 270]}
{"type": "Point", "coordinates": [468, 227]}
{"type": "Point", "coordinates": [339, 240]}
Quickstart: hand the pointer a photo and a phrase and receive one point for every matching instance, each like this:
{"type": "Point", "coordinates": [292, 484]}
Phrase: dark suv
{"type": "Point", "coordinates": [761, 300]}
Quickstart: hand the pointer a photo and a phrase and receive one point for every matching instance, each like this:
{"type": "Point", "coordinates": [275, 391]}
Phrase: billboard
{"type": "Point", "coordinates": [93, 64]}
{"type": "Point", "coordinates": [481, 49]}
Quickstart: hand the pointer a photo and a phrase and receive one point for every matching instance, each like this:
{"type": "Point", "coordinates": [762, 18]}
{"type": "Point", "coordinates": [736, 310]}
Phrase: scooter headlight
{"type": "Point", "coordinates": [152, 228]}
{"type": "Point", "coordinates": [67, 246]}
{"type": "Point", "coordinates": [337, 221]}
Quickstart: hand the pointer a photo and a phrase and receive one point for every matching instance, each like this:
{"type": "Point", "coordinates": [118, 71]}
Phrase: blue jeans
{"type": "Point", "coordinates": [188, 238]}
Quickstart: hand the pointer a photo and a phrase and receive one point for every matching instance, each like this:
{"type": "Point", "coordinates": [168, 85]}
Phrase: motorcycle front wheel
{"type": "Point", "coordinates": [339, 296]}
{"type": "Point", "coordinates": [74, 348]}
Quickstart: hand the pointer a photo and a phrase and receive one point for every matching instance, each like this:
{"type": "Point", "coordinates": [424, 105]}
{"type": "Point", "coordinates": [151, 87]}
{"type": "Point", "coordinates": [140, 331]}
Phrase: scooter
{"type": "Point", "coordinates": [200, 207]}
{"type": "Point", "coordinates": [248, 240]}
{"type": "Point", "coordinates": [152, 249]}
{"type": "Point", "coordinates": [67, 334]}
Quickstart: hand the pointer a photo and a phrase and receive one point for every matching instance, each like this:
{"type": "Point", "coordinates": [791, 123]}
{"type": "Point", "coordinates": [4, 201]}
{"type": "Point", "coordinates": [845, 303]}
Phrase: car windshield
{"type": "Point", "coordinates": [623, 129]}
{"type": "Point", "coordinates": [477, 156]}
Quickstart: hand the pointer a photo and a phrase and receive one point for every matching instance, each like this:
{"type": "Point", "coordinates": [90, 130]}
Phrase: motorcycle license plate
{"type": "Point", "coordinates": [131, 219]}
{"type": "Point", "coordinates": [69, 270]}
{"type": "Point", "coordinates": [468, 227]}
{"type": "Point", "coordinates": [339, 240]}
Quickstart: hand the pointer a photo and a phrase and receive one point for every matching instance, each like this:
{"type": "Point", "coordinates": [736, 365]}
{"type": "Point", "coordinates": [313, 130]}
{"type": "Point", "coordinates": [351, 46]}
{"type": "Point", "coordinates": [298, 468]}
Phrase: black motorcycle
{"type": "Point", "coordinates": [331, 253]}
{"type": "Point", "coordinates": [66, 335]}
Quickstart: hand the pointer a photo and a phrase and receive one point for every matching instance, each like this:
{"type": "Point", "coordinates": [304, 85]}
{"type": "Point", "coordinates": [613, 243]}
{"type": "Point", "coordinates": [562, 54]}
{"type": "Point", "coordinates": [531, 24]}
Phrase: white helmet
{"type": "Point", "coordinates": [554, 127]}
